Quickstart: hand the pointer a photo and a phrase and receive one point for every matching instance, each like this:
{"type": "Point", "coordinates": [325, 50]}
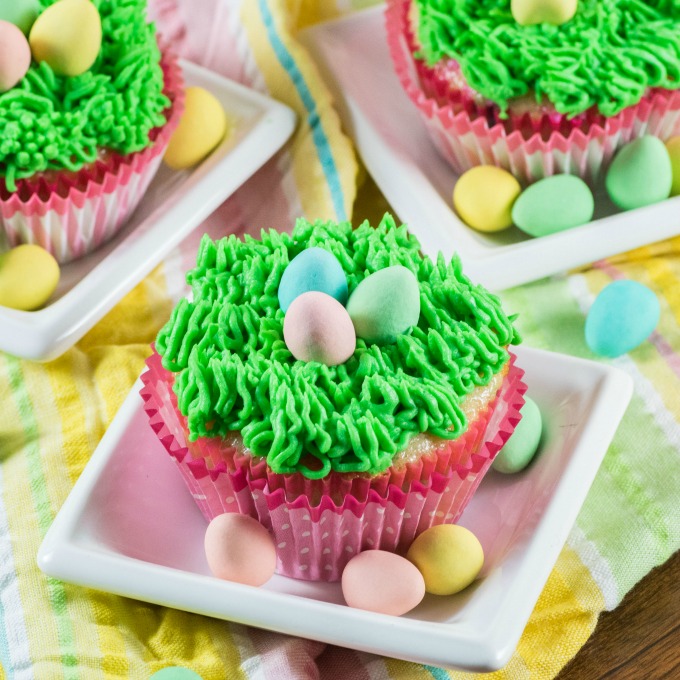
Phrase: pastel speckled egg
{"type": "Point", "coordinates": [640, 174]}
{"type": "Point", "coordinates": [382, 582]}
{"type": "Point", "coordinates": [312, 269]}
{"type": "Point", "coordinates": [28, 277]}
{"type": "Point", "coordinates": [530, 12]}
{"type": "Point", "coordinates": [483, 198]}
{"type": "Point", "coordinates": [21, 13]}
{"type": "Point", "coordinates": [673, 148]}
{"type": "Point", "coordinates": [15, 56]}
{"type": "Point", "coordinates": [318, 328]}
{"type": "Point", "coordinates": [622, 316]}
{"type": "Point", "coordinates": [448, 556]}
{"type": "Point", "coordinates": [238, 548]}
{"type": "Point", "coordinates": [202, 127]}
{"type": "Point", "coordinates": [68, 36]}
{"type": "Point", "coordinates": [553, 204]}
{"type": "Point", "coordinates": [520, 449]}
{"type": "Point", "coordinates": [385, 305]}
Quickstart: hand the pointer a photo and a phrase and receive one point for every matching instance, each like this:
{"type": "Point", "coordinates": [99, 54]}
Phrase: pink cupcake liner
{"type": "Point", "coordinates": [317, 533]}
{"type": "Point", "coordinates": [467, 133]}
{"type": "Point", "coordinates": [72, 214]}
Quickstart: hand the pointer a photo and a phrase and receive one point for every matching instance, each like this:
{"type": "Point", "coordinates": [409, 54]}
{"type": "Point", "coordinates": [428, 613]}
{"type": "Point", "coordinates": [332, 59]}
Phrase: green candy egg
{"type": "Point", "coordinates": [21, 13]}
{"type": "Point", "coordinates": [640, 174]}
{"type": "Point", "coordinates": [553, 204]}
{"type": "Point", "coordinates": [385, 305]}
{"type": "Point", "coordinates": [520, 449]}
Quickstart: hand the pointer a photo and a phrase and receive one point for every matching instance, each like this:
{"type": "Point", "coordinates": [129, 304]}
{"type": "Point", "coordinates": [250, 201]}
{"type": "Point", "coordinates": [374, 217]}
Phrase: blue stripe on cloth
{"type": "Point", "coordinates": [318, 135]}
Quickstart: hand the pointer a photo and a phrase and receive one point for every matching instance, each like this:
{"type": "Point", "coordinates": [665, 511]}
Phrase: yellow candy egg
{"type": "Point", "coordinates": [673, 147]}
{"type": "Point", "coordinates": [201, 129]}
{"type": "Point", "coordinates": [28, 277]}
{"type": "Point", "coordinates": [530, 12]}
{"type": "Point", "coordinates": [68, 36]}
{"type": "Point", "coordinates": [483, 198]}
{"type": "Point", "coordinates": [448, 556]}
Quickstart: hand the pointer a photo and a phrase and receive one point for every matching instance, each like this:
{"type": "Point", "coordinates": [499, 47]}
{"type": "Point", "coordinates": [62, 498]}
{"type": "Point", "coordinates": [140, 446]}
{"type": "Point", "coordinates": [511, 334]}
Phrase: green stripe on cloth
{"type": "Point", "coordinates": [43, 511]}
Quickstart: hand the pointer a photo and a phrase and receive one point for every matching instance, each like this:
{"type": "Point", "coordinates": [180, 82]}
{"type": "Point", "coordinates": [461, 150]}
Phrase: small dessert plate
{"type": "Point", "coordinates": [131, 527]}
{"type": "Point", "coordinates": [175, 203]}
{"type": "Point", "coordinates": [353, 56]}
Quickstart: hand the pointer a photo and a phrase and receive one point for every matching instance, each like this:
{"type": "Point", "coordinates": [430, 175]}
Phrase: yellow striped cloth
{"type": "Point", "coordinates": [52, 416]}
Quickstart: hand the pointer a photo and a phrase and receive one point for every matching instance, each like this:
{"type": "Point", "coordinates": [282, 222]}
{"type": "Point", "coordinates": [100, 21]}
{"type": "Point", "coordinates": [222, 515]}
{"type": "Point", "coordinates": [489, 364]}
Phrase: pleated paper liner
{"type": "Point", "coordinates": [70, 214]}
{"type": "Point", "coordinates": [317, 532]}
{"type": "Point", "coordinates": [530, 144]}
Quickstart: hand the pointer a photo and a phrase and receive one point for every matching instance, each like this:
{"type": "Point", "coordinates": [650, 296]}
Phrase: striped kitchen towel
{"type": "Point", "coordinates": [53, 415]}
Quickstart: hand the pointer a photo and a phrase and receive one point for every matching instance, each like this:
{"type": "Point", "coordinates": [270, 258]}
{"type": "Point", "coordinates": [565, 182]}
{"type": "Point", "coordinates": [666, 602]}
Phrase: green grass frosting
{"type": "Point", "coordinates": [607, 56]}
{"type": "Point", "coordinates": [51, 122]}
{"type": "Point", "coordinates": [235, 373]}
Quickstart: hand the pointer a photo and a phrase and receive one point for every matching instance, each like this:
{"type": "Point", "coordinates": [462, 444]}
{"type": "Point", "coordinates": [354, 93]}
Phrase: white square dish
{"type": "Point", "coordinates": [353, 56]}
{"type": "Point", "coordinates": [174, 204]}
{"type": "Point", "coordinates": [130, 527]}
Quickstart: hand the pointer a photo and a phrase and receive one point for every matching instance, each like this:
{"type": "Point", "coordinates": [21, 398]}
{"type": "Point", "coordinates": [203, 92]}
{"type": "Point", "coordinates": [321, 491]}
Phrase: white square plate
{"type": "Point", "coordinates": [131, 527]}
{"type": "Point", "coordinates": [174, 204]}
{"type": "Point", "coordinates": [353, 56]}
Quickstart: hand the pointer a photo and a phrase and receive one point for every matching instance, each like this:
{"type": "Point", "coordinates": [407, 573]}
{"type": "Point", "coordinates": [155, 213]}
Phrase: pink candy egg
{"type": "Point", "coordinates": [382, 582]}
{"type": "Point", "coordinates": [318, 328]}
{"type": "Point", "coordinates": [238, 548]}
{"type": "Point", "coordinates": [15, 55]}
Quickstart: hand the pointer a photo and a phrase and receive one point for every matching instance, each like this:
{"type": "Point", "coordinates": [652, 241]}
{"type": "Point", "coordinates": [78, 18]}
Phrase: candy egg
{"type": "Point", "coordinates": [68, 36]}
{"type": "Point", "coordinates": [15, 56]}
{"type": "Point", "coordinates": [640, 174]}
{"type": "Point", "coordinates": [382, 582]}
{"type": "Point", "coordinates": [622, 316]}
{"type": "Point", "coordinates": [28, 276]}
{"type": "Point", "coordinates": [238, 548]}
{"type": "Point", "coordinates": [483, 197]}
{"type": "Point", "coordinates": [673, 148]}
{"type": "Point", "coordinates": [202, 127]}
{"type": "Point", "coordinates": [312, 269]}
{"type": "Point", "coordinates": [318, 328]}
{"type": "Point", "coordinates": [529, 12]}
{"type": "Point", "coordinates": [385, 305]}
{"type": "Point", "coordinates": [553, 204]}
{"type": "Point", "coordinates": [519, 450]}
{"type": "Point", "coordinates": [448, 556]}
{"type": "Point", "coordinates": [21, 13]}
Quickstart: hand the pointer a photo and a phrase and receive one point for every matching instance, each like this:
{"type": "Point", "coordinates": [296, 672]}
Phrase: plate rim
{"type": "Point", "coordinates": [59, 551]}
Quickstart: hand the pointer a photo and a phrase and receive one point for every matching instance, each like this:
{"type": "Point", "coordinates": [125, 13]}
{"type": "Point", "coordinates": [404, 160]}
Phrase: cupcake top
{"type": "Point", "coordinates": [234, 371]}
{"type": "Point", "coordinates": [607, 56]}
{"type": "Point", "coordinates": [52, 122]}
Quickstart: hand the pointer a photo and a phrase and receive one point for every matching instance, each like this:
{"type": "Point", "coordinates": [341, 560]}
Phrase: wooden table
{"type": "Point", "coordinates": [640, 639]}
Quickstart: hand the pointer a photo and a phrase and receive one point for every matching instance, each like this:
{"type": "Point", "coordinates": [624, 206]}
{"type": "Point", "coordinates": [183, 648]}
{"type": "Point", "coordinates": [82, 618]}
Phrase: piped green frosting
{"type": "Point", "coordinates": [51, 122]}
{"type": "Point", "coordinates": [607, 56]}
{"type": "Point", "coordinates": [235, 373]}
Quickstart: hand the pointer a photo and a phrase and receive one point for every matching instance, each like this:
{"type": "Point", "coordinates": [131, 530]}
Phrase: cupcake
{"type": "Point", "coordinates": [85, 129]}
{"type": "Point", "coordinates": [538, 98]}
{"type": "Point", "coordinates": [333, 453]}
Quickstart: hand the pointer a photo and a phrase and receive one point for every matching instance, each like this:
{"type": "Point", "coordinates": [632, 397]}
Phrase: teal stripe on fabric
{"type": "Point", "coordinates": [42, 505]}
{"type": "Point", "coordinates": [437, 673]}
{"type": "Point", "coordinates": [318, 135]}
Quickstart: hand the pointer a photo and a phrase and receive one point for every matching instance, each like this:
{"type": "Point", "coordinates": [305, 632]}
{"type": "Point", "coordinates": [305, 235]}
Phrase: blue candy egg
{"type": "Point", "coordinates": [314, 269]}
{"type": "Point", "coordinates": [623, 316]}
